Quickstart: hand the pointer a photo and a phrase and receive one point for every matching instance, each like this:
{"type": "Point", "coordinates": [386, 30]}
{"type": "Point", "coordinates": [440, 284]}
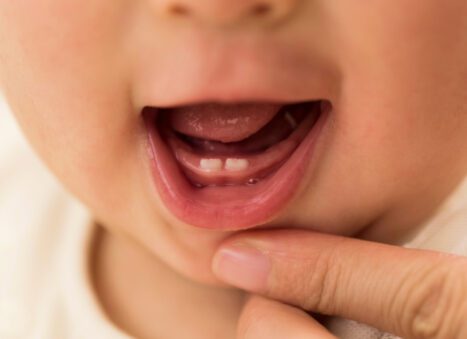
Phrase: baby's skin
{"type": "Point", "coordinates": [77, 76]}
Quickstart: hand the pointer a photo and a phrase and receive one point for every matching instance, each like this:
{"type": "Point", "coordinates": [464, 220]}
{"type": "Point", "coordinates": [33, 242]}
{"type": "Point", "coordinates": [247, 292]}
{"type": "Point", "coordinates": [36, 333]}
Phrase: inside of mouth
{"type": "Point", "coordinates": [279, 128]}
{"type": "Point", "coordinates": [207, 162]}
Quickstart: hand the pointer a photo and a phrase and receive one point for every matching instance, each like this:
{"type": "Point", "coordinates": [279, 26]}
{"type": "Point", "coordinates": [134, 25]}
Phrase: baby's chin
{"type": "Point", "coordinates": [193, 251]}
{"type": "Point", "coordinates": [193, 265]}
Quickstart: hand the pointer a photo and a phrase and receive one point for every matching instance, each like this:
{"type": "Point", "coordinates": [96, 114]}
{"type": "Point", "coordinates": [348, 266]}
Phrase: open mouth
{"type": "Point", "coordinates": [231, 166]}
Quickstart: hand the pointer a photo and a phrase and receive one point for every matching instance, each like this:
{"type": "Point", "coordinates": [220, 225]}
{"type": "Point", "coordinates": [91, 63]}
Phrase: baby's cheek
{"type": "Point", "coordinates": [61, 36]}
{"type": "Point", "coordinates": [62, 78]}
{"type": "Point", "coordinates": [59, 64]}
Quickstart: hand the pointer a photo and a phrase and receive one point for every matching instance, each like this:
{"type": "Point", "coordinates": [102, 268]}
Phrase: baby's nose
{"type": "Point", "coordinates": [228, 12]}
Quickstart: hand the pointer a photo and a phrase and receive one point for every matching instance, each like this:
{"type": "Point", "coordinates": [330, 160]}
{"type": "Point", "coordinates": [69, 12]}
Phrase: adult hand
{"type": "Point", "coordinates": [410, 293]}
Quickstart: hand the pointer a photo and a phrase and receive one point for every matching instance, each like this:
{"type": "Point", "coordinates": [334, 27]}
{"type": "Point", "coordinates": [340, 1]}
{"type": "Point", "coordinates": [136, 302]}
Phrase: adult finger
{"type": "Point", "coordinates": [263, 318]}
{"type": "Point", "coordinates": [411, 293]}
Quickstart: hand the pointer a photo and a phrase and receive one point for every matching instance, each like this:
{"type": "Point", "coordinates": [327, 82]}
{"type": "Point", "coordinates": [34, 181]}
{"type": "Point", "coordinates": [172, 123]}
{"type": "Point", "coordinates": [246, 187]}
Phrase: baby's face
{"type": "Point", "coordinates": [391, 145]}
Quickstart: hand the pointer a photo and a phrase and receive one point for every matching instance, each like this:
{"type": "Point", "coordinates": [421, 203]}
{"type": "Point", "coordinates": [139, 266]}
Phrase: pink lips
{"type": "Point", "coordinates": [239, 206]}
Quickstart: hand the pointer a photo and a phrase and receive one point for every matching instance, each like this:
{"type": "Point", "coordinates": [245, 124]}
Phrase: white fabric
{"type": "Point", "coordinates": [45, 235]}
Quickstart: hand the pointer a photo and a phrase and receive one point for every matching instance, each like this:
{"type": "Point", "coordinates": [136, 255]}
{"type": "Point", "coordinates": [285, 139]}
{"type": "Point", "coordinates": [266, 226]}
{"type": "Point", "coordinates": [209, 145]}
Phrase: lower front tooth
{"type": "Point", "coordinates": [252, 181]}
{"type": "Point", "coordinates": [210, 165]}
{"type": "Point", "coordinates": [236, 164]}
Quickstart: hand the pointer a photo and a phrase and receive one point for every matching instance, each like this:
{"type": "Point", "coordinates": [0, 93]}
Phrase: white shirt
{"type": "Point", "coordinates": [45, 237]}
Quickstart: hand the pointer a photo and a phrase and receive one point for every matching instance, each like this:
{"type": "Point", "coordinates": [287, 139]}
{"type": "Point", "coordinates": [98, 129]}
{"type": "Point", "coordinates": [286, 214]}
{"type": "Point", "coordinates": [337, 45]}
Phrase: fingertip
{"type": "Point", "coordinates": [242, 265]}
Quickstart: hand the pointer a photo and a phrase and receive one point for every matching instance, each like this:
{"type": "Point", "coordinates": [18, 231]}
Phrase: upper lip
{"type": "Point", "coordinates": [234, 73]}
{"type": "Point", "coordinates": [240, 94]}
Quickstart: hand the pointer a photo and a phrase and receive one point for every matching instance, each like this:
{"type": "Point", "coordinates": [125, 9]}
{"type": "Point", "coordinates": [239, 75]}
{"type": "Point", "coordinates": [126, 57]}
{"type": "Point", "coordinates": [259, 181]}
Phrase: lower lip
{"type": "Point", "coordinates": [228, 207]}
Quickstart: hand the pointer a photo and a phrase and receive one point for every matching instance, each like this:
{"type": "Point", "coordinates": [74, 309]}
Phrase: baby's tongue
{"type": "Point", "coordinates": [222, 122]}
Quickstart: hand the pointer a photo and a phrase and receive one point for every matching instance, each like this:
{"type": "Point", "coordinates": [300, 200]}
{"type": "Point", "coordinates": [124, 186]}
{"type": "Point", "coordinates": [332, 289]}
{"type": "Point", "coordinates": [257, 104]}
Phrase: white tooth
{"type": "Point", "coordinates": [236, 164]}
{"type": "Point", "coordinates": [252, 181]}
{"type": "Point", "coordinates": [291, 120]}
{"type": "Point", "coordinates": [210, 165]}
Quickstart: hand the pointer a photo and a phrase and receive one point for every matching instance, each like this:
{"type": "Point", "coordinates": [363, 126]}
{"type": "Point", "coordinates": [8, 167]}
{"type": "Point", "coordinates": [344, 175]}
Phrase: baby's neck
{"type": "Point", "coordinates": [147, 299]}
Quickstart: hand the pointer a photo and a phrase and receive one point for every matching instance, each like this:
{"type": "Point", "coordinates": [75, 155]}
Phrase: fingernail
{"type": "Point", "coordinates": [243, 266]}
